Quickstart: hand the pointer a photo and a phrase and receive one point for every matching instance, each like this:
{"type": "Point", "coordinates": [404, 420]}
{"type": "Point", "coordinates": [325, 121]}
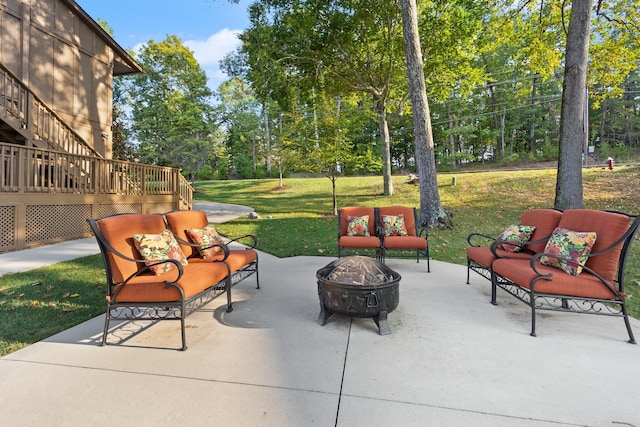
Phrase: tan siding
{"type": "Point", "coordinates": [41, 60]}
{"type": "Point", "coordinates": [65, 23]}
{"type": "Point", "coordinates": [43, 14]}
{"type": "Point", "coordinates": [11, 47]}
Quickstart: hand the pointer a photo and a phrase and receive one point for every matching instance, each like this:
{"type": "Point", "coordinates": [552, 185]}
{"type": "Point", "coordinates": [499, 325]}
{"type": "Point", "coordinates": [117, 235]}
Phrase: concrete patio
{"type": "Point", "coordinates": [452, 359]}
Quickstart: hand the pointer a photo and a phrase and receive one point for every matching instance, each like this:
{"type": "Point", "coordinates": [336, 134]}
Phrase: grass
{"type": "Point", "coordinates": [39, 303]}
{"type": "Point", "coordinates": [298, 220]}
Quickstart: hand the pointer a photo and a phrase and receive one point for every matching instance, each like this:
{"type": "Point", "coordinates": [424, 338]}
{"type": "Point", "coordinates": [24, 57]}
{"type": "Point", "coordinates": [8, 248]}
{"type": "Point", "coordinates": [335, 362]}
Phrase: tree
{"type": "Point", "coordinates": [239, 113]}
{"type": "Point", "coordinates": [172, 114]}
{"type": "Point", "coordinates": [346, 46]}
{"type": "Point", "coordinates": [573, 129]}
{"type": "Point", "coordinates": [121, 146]}
{"type": "Point", "coordinates": [431, 211]}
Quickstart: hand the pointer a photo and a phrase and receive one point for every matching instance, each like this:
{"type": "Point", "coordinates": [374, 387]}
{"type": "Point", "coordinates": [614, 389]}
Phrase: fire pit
{"type": "Point", "coordinates": [358, 286]}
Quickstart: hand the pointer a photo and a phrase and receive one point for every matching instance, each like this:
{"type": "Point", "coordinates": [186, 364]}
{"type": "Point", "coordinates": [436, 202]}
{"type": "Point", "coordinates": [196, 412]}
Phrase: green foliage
{"type": "Point", "coordinates": [172, 114]}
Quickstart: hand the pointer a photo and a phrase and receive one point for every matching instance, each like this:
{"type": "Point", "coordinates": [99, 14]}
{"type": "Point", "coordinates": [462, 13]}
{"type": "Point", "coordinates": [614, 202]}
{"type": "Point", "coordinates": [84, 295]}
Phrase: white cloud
{"type": "Point", "coordinates": [209, 52]}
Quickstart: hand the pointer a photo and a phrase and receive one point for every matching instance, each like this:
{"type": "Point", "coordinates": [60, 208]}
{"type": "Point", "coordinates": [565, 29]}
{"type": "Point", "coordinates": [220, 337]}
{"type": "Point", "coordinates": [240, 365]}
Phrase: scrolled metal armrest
{"type": "Point", "coordinates": [237, 239]}
{"type": "Point", "coordinates": [497, 242]}
{"type": "Point", "coordinates": [472, 235]}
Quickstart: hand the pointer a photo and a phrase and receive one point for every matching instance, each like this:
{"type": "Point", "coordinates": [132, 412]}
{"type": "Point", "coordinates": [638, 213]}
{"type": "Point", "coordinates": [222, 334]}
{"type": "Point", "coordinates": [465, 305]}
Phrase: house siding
{"type": "Point", "coordinates": [68, 66]}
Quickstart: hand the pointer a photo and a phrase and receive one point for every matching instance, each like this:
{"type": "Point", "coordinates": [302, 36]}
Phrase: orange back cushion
{"type": "Point", "coordinates": [545, 221]}
{"type": "Point", "coordinates": [356, 211]}
{"type": "Point", "coordinates": [179, 221]}
{"type": "Point", "coordinates": [118, 230]}
{"type": "Point", "coordinates": [407, 212]}
{"type": "Point", "coordinates": [608, 226]}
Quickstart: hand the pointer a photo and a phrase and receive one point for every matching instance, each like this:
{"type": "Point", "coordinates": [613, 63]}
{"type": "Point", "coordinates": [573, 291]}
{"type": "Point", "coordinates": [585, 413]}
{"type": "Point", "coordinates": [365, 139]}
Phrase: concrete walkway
{"type": "Point", "coordinates": [452, 359]}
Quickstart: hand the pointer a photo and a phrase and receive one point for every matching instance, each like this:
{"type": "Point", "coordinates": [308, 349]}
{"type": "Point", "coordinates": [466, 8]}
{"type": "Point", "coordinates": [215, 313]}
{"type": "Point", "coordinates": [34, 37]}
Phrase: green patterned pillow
{"type": "Point", "coordinates": [516, 234]}
{"type": "Point", "coordinates": [205, 237]}
{"type": "Point", "coordinates": [358, 225]}
{"type": "Point", "coordinates": [156, 247]}
{"type": "Point", "coordinates": [574, 246]}
{"type": "Point", "coordinates": [394, 225]}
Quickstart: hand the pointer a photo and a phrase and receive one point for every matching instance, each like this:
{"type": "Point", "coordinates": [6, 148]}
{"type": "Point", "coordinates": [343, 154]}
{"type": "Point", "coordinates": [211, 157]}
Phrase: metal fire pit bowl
{"type": "Point", "coordinates": [358, 286]}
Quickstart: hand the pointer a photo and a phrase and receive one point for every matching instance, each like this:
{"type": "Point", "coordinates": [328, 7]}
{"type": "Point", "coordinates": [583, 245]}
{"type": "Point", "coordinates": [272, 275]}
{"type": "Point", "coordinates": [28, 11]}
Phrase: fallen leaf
{"type": "Point", "coordinates": [68, 309]}
{"type": "Point", "coordinates": [10, 308]}
{"type": "Point", "coordinates": [66, 295]}
{"type": "Point", "coordinates": [37, 283]}
{"type": "Point", "coordinates": [74, 296]}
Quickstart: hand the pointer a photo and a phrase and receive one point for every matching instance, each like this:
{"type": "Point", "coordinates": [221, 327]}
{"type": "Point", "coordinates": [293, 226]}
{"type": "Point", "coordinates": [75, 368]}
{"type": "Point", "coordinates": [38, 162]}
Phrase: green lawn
{"type": "Point", "coordinates": [298, 220]}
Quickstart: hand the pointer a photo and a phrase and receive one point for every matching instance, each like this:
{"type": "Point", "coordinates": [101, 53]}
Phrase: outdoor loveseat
{"type": "Point", "coordinates": [149, 277]}
{"type": "Point", "coordinates": [573, 261]}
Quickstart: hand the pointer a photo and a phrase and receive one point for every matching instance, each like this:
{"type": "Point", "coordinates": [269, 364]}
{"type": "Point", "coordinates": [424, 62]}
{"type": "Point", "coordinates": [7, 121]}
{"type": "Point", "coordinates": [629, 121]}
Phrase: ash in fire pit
{"type": "Point", "coordinates": [358, 286]}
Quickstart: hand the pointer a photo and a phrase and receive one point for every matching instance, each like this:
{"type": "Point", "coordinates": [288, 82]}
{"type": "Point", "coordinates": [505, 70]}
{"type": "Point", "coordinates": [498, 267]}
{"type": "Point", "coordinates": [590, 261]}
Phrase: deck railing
{"type": "Point", "coordinates": [35, 170]}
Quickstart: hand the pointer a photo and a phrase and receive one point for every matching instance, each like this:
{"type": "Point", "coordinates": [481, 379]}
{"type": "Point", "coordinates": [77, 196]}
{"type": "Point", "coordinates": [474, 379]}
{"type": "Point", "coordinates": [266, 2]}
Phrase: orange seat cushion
{"type": "Point", "coordinates": [584, 285]}
{"type": "Point", "coordinates": [405, 242]}
{"type": "Point", "coordinates": [237, 259]}
{"type": "Point", "coordinates": [362, 242]}
{"type": "Point", "coordinates": [151, 288]}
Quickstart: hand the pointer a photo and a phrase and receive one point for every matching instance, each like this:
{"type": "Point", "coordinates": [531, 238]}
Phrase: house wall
{"type": "Point", "coordinates": [63, 61]}
{"type": "Point", "coordinates": [29, 220]}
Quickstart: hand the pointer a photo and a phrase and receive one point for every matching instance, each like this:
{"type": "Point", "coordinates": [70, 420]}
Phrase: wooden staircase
{"type": "Point", "coordinates": [41, 153]}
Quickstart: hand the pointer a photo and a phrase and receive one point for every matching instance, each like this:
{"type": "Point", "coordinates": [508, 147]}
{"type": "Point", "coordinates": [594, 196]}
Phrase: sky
{"type": "Point", "coordinates": [208, 27]}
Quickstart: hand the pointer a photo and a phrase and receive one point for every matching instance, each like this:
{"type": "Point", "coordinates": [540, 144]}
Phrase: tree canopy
{"type": "Point", "coordinates": [171, 106]}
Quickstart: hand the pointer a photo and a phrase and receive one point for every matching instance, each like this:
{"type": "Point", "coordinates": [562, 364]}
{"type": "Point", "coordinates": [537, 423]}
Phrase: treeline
{"type": "Point", "coordinates": [321, 87]}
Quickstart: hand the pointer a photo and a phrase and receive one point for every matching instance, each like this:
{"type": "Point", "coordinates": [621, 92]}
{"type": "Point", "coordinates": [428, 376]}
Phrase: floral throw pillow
{"type": "Point", "coordinates": [517, 234]}
{"type": "Point", "coordinates": [394, 225]}
{"type": "Point", "coordinates": [155, 247]}
{"type": "Point", "coordinates": [573, 246]}
{"type": "Point", "coordinates": [358, 225]}
{"type": "Point", "coordinates": [205, 237]}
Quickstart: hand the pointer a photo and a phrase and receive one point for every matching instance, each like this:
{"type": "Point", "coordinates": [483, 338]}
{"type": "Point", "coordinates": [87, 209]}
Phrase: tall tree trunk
{"type": "Point", "coordinates": [386, 147]}
{"type": "Point", "coordinates": [431, 211]}
{"type": "Point", "coordinates": [569, 191]}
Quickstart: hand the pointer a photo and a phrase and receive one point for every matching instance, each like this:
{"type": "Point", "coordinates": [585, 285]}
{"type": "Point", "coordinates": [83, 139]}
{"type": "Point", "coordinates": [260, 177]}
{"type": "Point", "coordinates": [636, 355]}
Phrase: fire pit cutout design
{"type": "Point", "coordinates": [358, 286]}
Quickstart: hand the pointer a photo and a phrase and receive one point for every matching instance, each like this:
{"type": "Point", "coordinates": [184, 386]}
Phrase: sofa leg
{"type": "Point", "coordinates": [632, 339]}
{"type": "Point", "coordinates": [184, 335]}
{"type": "Point", "coordinates": [494, 279]}
{"type": "Point", "coordinates": [257, 276]}
{"type": "Point", "coordinates": [468, 268]}
{"type": "Point", "coordinates": [533, 315]}
{"type": "Point", "coordinates": [107, 319]}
